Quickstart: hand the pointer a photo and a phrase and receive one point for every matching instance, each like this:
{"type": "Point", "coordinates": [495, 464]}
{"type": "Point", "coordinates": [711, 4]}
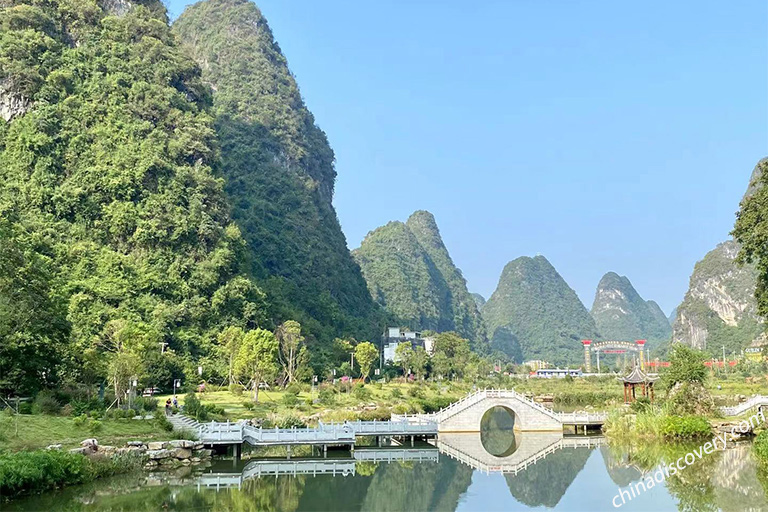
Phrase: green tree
{"type": "Point", "coordinates": [452, 353]}
{"type": "Point", "coordinates": [441, 364]}
{"type": "Point", "coordinates": [257, 358]}
{"type": "Point", "coordinates": [230, 340]}
{"type": "Point", "coordinates": [419, 362]}
{"type": "Point", "coordinates": [751, 230]}
{"type": "Point", "coordinates": [405, 353]}
{"type": "Point", "coordinates": [121, 190]}
{"type": "Point", "coordinates": [123, 366]}
{"type": "Point", "coordinates": [686, 364]}
{"type": "Point", "coordinates": [289, 336]}
{"type": "Point", "coordinates": [33, 326]}
{"type": "Point", "coordinates": [366, 354]}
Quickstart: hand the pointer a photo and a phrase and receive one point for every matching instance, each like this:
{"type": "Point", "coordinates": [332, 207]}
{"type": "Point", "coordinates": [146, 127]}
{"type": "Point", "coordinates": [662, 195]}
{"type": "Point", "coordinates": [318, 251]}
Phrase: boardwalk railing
{"type": "Point", "coordinates": [403, 425]}
{"type": "Point", "coordinates": [333, 433]}
{"type": "Point", "coordinates": [226, 432]}
{"type": "Point", "coordinates": [221, 432]}
{"type": "Point", "coordinates": [581, 418]}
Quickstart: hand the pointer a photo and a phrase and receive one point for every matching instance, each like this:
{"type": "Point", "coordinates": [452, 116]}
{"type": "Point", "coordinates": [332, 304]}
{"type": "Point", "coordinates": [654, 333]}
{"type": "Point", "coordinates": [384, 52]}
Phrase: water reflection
{"type": "Point", "coordinates": [543, 470]}
{"type": "Point", "coordinates": [497, 432]}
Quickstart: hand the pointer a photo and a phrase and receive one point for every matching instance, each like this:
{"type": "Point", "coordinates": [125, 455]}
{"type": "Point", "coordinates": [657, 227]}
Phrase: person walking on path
{"type": "Point", "coordinates": [168, 407]}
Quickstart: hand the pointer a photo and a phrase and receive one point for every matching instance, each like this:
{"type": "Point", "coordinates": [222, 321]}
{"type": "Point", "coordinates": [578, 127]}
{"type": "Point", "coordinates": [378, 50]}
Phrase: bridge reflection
{"type": "Point", "coordinates": [531, 447]}
{"type": "Point", "coordinates": [343, 466]}
{"type": "Point", "coordinates": [517, 453]}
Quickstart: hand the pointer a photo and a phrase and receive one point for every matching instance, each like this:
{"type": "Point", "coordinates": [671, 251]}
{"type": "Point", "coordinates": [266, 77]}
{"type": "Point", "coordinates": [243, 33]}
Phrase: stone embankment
{"type": "Point", "coordinates": [164, 454]}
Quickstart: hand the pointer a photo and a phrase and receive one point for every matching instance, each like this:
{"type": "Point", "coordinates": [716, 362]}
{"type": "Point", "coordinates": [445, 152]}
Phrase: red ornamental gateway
{"type": "Point", "coordinates": [612, 347]}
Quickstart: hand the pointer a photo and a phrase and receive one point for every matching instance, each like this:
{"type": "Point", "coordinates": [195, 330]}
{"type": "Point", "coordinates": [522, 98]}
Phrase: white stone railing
{"type": "Point", "coordinates": [743, 407]}
{"type": "Point", "coordinates": [473, 398]}
{"type": "Point", "coordinates": [324, 432]}
{"type": "Point", "coordinates": [581, 417]}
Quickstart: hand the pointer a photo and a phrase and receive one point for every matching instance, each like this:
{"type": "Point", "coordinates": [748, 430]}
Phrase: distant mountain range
{"type": "Point", "coordinates": [532, 314]}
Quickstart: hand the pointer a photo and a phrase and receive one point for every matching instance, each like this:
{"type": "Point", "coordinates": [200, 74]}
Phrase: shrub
{"type": "Point", "coordinates": [290, 400]}
{"type": "Point", "coordinates": [416, 391]}
{"type": "Point", "coordinates": [642, 404]}
{"type": "Point", "coordinates": [396, 393]}
{"type": "Point", "coordinates": [404, 408]}
{"type": "Point", "coordinates": [80, 407]}
{"type": "Point", "coordinates": [236, 389]}
{"type": "Point", "coordinates": [760, 447]}
{"type": "Point", "coordinates": [94, 426]}
{"type": "Point", "coordinates": [293, 389]}
{"type": "Point", "coordinates": [249, 405]}
{"type": "Point", "coordinates": [361, 392]}
{"type": "Point", "coordinates": [290, 422]}
{"type": "Point", "coordinates": [378, 414]}
{"type": "Point", "coordinates": [46, 403]}
{"type": "Point", "coordinates": [214, 409]}
{"type": "Point", "coordinates": [28, 472]}
{"type": "Point", "coordinates": [193, 407]}
{"type": "Point", "coordinates": [119, 414]}
{"type": "Point", "coordinates": [185, 433]}
{"type": "Point", "coordinates": [326, 396]}
{"type": "Point", "coordinates": [162, 422]}
{"type": "Point", "coordinates": [685, 427]}
{"type": "Point", "coordinates": [434, 403]}
{"type": "Point", "coordinates": [147, 404]}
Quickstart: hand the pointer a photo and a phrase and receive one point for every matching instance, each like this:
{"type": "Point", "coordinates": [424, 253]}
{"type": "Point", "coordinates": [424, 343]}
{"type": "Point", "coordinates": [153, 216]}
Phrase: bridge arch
{"type": "Point", "coordinates": [467, 416]}
{"type": "Point", "coordinates": [497, 432]}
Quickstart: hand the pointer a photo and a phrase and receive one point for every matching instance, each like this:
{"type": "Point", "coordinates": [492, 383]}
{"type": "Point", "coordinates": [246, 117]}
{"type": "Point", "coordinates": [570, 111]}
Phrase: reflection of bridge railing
{"type": "Point", "coordinates": [755, 401]}
{"type": "Point", "coordinates": [396, 455]}
{"type": "Point", "coordinates": [499, 466]}
{"type": "Point", "coordinates": [335, 467]}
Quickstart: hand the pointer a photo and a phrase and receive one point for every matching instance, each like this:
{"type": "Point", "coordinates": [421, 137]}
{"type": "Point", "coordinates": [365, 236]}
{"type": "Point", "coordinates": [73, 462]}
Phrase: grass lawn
{"type": "Point", "coordinates": [38, 431]}
{"type": "Point", "coordinates": [345, 405]}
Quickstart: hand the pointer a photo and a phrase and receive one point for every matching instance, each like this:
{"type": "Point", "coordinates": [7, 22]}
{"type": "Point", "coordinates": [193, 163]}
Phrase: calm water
{"type": "Point", "coordinates": [495, 470]}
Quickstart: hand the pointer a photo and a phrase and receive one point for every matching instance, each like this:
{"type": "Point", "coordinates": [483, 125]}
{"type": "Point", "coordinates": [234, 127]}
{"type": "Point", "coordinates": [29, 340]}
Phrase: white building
{"type": "Point", "coordinates": [394, 337]}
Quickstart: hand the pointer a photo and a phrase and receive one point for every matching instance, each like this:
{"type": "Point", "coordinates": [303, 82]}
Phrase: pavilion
{"type": "Point", "coordinates": [638, 379]}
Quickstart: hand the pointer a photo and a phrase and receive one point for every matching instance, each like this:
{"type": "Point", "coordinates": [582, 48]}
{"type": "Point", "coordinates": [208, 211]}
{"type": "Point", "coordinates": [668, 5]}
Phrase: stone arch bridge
{"type": "Point", "coordinates": [467, 414]}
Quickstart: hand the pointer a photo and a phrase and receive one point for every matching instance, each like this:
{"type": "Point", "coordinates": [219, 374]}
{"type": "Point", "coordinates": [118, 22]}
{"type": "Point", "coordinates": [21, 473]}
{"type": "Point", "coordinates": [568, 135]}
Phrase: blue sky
{"type": "Point", "coordinates": [607, 136]}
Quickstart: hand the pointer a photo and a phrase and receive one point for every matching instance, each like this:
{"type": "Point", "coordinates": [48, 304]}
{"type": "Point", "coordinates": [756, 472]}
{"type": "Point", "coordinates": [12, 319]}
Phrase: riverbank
{"type": "Point", "coordinates": [28, 472]}
{"type": "Point", "coordinates": [36, 431]}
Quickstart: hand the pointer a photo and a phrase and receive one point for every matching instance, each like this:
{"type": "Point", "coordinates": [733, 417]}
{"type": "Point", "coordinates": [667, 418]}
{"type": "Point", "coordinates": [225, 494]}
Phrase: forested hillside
{"type": "Point", "coordinates": [410, 273]}
{"type": "Point", "coordinates": [621, 314]}
{"type": "Point", "coordinates": [720, 308]}
{"type": "Point", "coordinates": [279, 171]}
{"type": "Point", "coordinates": [535, 305]}
{"type": "Point", "coordinates": [116, 231]}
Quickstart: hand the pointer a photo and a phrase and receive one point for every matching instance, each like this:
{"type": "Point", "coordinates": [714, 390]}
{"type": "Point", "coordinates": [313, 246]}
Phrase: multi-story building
{"type": "Point", "coordinates": [395, 336]}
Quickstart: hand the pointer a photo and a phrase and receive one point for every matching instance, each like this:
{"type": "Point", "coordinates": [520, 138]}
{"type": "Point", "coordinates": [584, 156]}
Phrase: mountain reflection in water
{"type": "Point", "coordinates": [495, 470]}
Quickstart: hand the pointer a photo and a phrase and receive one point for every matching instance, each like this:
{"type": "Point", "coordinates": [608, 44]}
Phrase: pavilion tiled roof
{"type": "Point", "coordinates": [637, 377]}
